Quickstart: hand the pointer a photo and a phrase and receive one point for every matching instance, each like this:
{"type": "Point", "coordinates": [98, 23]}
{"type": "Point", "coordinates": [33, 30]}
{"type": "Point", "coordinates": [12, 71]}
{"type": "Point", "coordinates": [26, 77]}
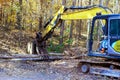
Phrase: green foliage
{"type": "Point", "coordinates": [69, 41]}
{"type": "Point", "coordinates": [55, 48]}
{"type": "Point", "coordinates": [16, 7]}
{"type": "Point", "coordinates": [60, 47]}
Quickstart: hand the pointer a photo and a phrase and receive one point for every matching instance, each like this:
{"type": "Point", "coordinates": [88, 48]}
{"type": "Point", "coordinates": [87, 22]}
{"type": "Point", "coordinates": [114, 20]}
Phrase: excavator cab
{"type": "Point", "coordinates": [104, 38]}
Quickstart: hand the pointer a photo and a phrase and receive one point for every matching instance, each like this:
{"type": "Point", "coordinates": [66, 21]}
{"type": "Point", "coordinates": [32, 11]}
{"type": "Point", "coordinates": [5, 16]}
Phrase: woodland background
{"type": "Point", "coordinates": [21, 19]}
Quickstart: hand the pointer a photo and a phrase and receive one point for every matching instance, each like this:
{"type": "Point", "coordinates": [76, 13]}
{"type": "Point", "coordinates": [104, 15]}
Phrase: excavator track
{"type": "Point", "coordinates": [102, 67]}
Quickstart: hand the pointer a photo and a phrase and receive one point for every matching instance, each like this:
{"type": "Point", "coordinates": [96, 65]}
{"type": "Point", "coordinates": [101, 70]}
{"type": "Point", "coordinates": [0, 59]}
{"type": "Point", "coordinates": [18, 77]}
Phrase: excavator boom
{"type": "Point", "coordinates": [85, 12]}
{"type": "Point", "coordinates": [78, 13]}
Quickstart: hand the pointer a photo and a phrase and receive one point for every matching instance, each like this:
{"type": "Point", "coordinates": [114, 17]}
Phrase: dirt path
{"type": "Point", "coordinates": [57, 70]}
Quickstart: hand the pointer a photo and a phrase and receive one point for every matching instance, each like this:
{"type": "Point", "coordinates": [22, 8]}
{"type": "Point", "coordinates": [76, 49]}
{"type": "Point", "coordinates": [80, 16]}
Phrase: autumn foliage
{"type": "Point", "coordinates": [31, 15]}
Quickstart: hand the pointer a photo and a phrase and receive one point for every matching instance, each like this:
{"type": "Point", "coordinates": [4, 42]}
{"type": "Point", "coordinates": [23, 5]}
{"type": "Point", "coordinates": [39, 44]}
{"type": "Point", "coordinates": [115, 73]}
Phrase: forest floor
{"type": "Point", "coordinates": [37, 70]}
{"type": "Point", "coordinates": [57, 70]}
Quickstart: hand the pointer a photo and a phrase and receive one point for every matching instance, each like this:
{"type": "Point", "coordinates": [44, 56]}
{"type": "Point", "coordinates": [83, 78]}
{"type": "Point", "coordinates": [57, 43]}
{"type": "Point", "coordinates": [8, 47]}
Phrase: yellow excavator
{"type": "Point", "coordinates": [103, 38]}
{"type": "Point", "coordinates": [38, 46]}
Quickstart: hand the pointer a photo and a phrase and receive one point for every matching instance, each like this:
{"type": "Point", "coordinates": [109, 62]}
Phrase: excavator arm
{"type": "Point", "coordinates": [77, 13]}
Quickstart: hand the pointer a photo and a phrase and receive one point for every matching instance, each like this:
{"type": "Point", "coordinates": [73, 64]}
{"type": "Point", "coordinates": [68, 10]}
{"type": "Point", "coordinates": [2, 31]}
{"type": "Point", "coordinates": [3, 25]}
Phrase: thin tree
{"type": "Point", "coordinates": [11, 23]}
{"type": "Point", "coordinates": [62, 26]}
{"type": "Point", "coordinates": [116, 6]}
{"type": "Point", "coordinates": [88, 25]}
{"type": "Point", "coordinates": [101, 2]}
{"type": "Point", "coordinates": [19, 16]}
{"type": "Point", "coordinates": [106, 3]}
{"type": "Point", "coordinates": [41, 17]}
{"type": "Point", "coordinates": [71, 26]}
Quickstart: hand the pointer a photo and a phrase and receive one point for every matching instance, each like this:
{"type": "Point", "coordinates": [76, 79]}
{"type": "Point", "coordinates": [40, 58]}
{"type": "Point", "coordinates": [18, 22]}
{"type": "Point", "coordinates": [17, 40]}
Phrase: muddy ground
{"type": "Point", "coordinates": [56, 70]}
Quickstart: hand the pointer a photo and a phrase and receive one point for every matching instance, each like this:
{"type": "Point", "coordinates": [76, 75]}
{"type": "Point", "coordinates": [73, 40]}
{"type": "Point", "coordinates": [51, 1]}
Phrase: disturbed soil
{"type": "Point", "coordinates": [56, 70]}
{"type": "Point", "coordinates": [41, 70]}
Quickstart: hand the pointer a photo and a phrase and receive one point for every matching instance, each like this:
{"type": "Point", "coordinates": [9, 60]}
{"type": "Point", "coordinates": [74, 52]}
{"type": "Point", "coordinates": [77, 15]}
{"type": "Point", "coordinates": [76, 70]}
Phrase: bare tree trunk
{"type": "Point", "coordinates": [40, 22]}
{"type": "Point", "coordinates": [79, 27]}
{"type": "Point", "coordinates": [72, 24]}
{"type": "Point", "coordinates": [10, 23]}
{"type": "Point", "coordinates": [1, 16]}
{"type": "Point", "coordinates": [88, 27]}
{"type": "Point", "coordinates": [101, 2]}
{"type": "Point", "coordinates": [106, 3]}
{"type": "Point", "coordinates": [62, 26]}
{"type": "Point", "coordinates": [19, 16]}
{"type": "Point", "coordinates": [90, 2]}
{"type": "Point", "coordinates": [116, 6]}
{"type": "Point", "coordinates": [41, 17]}
{"type": "Point", "coordinates": [5, 16]}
